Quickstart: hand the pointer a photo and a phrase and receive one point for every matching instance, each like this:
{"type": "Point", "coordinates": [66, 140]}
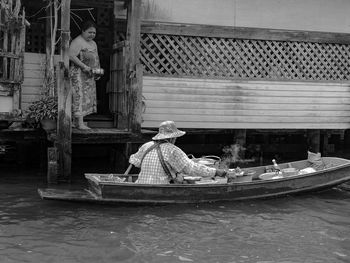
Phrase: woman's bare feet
{"type": "Point", "coordinates": [83, 127]}
{"type": "Point", "coordinates": [79, 123]}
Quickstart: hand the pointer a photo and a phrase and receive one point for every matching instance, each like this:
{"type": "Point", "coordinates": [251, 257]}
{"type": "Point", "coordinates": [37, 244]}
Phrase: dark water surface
{"type": "Point", "coordinates": [309, 228]}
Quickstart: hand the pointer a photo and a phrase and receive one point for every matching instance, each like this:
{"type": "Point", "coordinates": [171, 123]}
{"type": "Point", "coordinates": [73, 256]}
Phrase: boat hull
{"type": "Point", "coordinates": [128, 192]}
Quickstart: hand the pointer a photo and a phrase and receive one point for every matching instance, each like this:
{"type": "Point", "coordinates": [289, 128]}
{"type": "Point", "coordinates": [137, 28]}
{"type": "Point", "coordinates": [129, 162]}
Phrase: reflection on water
{"type": "Point", "coordinates": [309, 228]}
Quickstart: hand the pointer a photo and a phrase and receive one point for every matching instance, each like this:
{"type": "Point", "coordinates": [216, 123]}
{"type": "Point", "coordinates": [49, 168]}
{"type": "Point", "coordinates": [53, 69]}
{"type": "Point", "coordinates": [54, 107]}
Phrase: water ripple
{"type": "Point", "coordinates": [310, 228]}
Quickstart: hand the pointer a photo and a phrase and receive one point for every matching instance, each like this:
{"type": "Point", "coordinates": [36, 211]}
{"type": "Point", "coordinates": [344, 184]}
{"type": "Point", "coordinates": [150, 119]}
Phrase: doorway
{"type": "Point", "coordinates": [103, 18]}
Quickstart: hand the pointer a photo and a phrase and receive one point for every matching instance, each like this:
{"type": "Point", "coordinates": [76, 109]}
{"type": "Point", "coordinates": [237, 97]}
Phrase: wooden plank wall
{"type": "Point", "coordinates": [34, 70]}
{"type": "Point", "coordinates": [33, 78]}
{"type": "Point", "coordinates": [232, 104]}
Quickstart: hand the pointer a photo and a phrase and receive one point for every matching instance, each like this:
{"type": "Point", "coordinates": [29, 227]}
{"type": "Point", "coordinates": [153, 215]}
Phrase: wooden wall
{"type": "Point", "coordinates": [34, 64]}
{"type": "Point", "coordinates": [312, 15]}
{"type": "Point", "coordinates": [6, 103]}
{"type": "Point", "coordinates": [232, 104]}
{"type": "Point", "coordinates": [32, 82]}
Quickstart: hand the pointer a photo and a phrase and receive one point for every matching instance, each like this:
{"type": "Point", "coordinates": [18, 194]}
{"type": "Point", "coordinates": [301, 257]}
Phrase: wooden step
{"type": "Point", "coordinates": [100, 124]}
{"type": "Point", "coordinates": [99, 121]}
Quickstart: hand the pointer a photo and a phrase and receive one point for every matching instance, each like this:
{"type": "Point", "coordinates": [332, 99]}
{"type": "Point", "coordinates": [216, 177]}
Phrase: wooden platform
{"type": "Point", "coordinates": [106, 136]}
{"type": "Point", "coordinates": [21, 134]}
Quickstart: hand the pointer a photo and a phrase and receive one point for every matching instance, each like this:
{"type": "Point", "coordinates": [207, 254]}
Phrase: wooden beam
{"type": "Point", "coordinates": [94, 3]}
{"type": "Point", "coordinates": [133, 66]}
{"type": "Point", "coordinates": [109, 136]}
{"type": "Point", "coordinates": [241, 139]}
{"type": "Point", "coordinates": [238, 32]}
{"type": "Point", "coordinates": [64, 129]}
{"type": "Point", "coordinates": [314, 140]}
{"type": "Point", "coordinates": [52, 166]}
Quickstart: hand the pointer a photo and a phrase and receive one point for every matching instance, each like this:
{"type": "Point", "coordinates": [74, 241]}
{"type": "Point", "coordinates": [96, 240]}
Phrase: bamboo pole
{"type": "Point", "coordinates": [5, 49]}
{"type": "Point", "coordinates": [18, 48]}
{"type": "Point", "coordinates": [53, 32]}
{"type": "Point", "coordinates": [22, 44]}
{"type": "Point", "coordinates": [48, 26]}
{"type": "Point", "coordinates": [64, 129]}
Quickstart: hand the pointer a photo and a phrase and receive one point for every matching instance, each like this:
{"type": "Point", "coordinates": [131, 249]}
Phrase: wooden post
{"type": "Point", "coordinates": [64, 128]}
{"type": "Point", "coordinates": [48, 41]}
{"type": "Point", "coordinates": [20, 48]}
{"type": "Point", "coordinates": [118, 96]}
{"type": "Point", "coordinates": [133, 66]}
{"type": "Point", "coordinates": [314, 139]}
{"type": "Point", "coordinates": [241, 136]}
{"type": "Point", "coordinates": [52, 165]}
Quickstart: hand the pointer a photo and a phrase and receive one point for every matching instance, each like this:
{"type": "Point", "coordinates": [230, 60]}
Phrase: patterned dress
{"type": "Point", "coordinates": [83, 84]}
{"type": "Point", "coordinates": [151, 168]}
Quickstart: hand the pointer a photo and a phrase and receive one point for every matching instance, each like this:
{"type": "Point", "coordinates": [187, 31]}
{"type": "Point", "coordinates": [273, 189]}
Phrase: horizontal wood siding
{"type": "Point", "coordinates": [230, 104]}
{"type": "Point", "coordinates": [33, 78]}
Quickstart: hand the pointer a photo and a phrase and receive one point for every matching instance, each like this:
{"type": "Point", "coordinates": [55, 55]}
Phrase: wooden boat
{"type": "Point", "coordinates": [107, 188]}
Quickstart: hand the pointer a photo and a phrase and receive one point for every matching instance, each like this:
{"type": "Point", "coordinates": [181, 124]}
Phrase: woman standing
{"type": "Point", "coordinates": [84, 58]}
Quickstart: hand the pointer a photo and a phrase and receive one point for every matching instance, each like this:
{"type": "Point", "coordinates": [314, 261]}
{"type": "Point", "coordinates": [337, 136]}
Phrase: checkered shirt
{"type": "Point", "coordinates": [177, 161]}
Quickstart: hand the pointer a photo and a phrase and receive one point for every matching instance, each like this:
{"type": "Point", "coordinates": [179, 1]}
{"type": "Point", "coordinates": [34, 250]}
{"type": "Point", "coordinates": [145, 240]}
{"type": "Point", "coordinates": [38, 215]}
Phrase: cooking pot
{"type": "Point", "coordinates": [209, 160]}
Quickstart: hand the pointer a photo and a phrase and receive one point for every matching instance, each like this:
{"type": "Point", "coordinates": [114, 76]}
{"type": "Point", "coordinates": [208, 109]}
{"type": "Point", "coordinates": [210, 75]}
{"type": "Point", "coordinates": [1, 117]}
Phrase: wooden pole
{"type": "Point", "coordinates": [19, 50]}
{"type": "Point", "coordinates": [241, 139]}
{"type": "Point", "coordinates": [64, 129]}
{"type": "Point", "coordinates": [52, 165]}
{"type": "Point", "coordinates": [133, 66]}
{"type": "Point", "coordinates": [48, 22]}
{"type": "Point", "coordinates": [314, 139]}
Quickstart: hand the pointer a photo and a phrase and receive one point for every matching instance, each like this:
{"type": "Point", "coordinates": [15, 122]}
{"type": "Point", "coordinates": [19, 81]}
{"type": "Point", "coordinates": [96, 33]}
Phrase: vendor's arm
{"type": "Point", "coordinates": [136, 158]}
{"type": "Point", "coordinates": [182, 164]}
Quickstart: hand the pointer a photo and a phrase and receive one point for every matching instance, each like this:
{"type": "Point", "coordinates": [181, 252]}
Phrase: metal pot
{"type": "Point", "coordinates": [210, 160]}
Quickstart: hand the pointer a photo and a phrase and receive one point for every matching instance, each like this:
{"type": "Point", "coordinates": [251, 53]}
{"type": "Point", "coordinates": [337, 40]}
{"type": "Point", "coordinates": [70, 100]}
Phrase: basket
{"type": "Point", "coordinates": [241, 179]}
{"type": "Point", "coordinates": [246, 177]}
{"type": "Point", "coordinates": [289, 172]}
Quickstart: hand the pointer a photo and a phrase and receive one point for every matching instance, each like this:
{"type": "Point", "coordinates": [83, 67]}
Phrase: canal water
{"type": "Point", "coordinates": [309, 228]}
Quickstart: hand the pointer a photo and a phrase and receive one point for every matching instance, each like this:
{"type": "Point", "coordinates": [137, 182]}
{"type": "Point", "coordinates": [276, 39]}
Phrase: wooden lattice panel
{"type": "Point", "coordinates": [176, 55]}
{"type": "Point", "coordinates": [35, 38]}
{"type": "Point", "coordinates": [103, 16]}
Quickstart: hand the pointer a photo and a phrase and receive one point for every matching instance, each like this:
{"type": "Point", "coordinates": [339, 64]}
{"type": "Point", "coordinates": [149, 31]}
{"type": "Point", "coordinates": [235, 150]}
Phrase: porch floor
{"type": "Point", "coordinates": [106, 136]}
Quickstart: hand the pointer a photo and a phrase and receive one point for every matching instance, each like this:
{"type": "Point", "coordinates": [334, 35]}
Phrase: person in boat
{"type": "Point", "coordinates": [162, 162]}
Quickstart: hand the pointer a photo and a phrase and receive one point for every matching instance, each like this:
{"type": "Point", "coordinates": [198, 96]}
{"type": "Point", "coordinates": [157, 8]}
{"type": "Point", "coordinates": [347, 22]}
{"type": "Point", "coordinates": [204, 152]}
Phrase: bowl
{"type": "Point", "coordinates": [307, 170]}
{"type": "Point", "coordinates": [271, 176]}
{"type": "Point", "coordinates": [211, 181]}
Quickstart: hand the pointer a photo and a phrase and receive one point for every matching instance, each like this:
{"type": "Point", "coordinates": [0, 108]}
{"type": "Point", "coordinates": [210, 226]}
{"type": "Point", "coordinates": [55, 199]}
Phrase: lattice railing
{"type": "Point", "coordinates": [176, 55]}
